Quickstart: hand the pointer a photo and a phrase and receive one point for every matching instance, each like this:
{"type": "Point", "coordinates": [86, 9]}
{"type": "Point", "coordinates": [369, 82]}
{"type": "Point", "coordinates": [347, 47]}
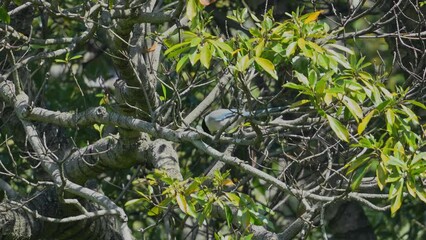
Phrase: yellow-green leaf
{"type": "Point", "coordinates": [397, 201]}
{"type": "Point", "coordinates": [181, 201]}
{"type": "Point", "coordinates": [328, 98]}
{"type": "Point", "coordinates": [181, 63]}
{"type": "Point", "coordinates": [315, 46]}
{"type": "Point", "coordinates": [365, 121]}
{"type": "Point", "coordinates": [390, 116]}
{"type": "Point", "coordinates": [381, 176]}
{"type": "Point", "coordinates": [411, 186]}
{"type": "Point", "coordinates": [191, 9]}
{"type": "Point", "coordinates": [338, 128]}
{"type": "Point", "coordinates": [312, 17]}
{"type": "Point", "coordinates": [353, 107]}
{"type": "Point", "coordinates": [301, 43]}
{"type": "Point", "coordinates": [243, 63]}
{"type": "Point", "coordinates": [341, 48]}
{"type": "Point", "coordinates": [413, 117]}
{"type": "Point", "coordinates": [266, 65]}
{"type": "Point", "coordinates": [291, 49]}
{"type": "Point", "coordinates": [302, 78]}
{"type": "Point", "coordinates": [205, 55]}
{"type": "Point", "coordinates": [221, 45]}
{"type": "Point", "coordinates": [259, 48]}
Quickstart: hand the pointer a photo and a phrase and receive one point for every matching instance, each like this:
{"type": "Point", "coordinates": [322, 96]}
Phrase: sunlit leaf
{"type": "Point", "coordinates": [221, 45]}
{"type": "Point", "coordinates": [301, 43]}
{"type": "Point", "coordinates": [353, 107]}
{"type": "Point", "coordinates": [296, 86]}
{"type": "Point", "coordinates": [267, 66]}
{"type": "Point", "coordinates": [418, 104]}
{"type": "Point", "coordinates": [181, 201]}
{"type": "Point", "coordinates": [315, 46]}
{"type": "Point", "coordinates": [356, 163]}
{"type": "Point", "coordinates": [175, 47]}
{"type": "Point", "coordinates": [259, 48]}
{"type": "Point", "coordinates": [365, 121]}
{"type": "Point", "coordinates": [134, 201]}
{"type": "Point", "coordinates": [394, 161]}
{"type": "Point", "coordinates": [191, 9]}
{"type": "Point", "coordinates": [243, 63]}
{"type": "Point", "coordinates": [397, 201]}
{"type": "Point", "coordinates": [342, 48]}
{"type": "Point", "coordinates": [338, 128]}
{"type": "Point", "coordinates": [205, 55]}
{"type": "Point", "coordinates": [411, 186]}
{"type": "Point", "coordinates": [413, 117]}
{"type": "Point", "coordinates": [291, 49]}
{"type": "Point", "coordinates": [390, 116]}
{"type": "Point", "coordinates": [312, 17]}
{"type": "Point", "coordinates": [302, 78]}
{"type": "Point", "coordinates": [381, 176]}
{"type": "Point", "coordinates": [182, 62]}
{"type": "Point", "coordinates": [228, 182]}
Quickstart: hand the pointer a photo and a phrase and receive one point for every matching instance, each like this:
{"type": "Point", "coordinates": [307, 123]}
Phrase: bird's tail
{"type": "Point", "coordinates": [264, 112]}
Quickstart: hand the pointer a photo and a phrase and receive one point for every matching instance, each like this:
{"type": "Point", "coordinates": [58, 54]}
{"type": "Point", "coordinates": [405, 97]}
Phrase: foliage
{"type": "Point", "coordinates": [118, 94]}
{"type": "Point", "coordinates": [201, 198]}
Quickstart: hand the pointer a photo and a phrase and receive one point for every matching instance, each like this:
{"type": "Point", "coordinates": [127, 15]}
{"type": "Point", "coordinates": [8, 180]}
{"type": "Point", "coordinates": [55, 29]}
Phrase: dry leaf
{"type": "Point", "coordinates": [207, 2]}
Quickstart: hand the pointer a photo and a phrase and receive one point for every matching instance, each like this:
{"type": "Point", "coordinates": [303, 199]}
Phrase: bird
{"type": "Point", "coordinates": [231, 118]}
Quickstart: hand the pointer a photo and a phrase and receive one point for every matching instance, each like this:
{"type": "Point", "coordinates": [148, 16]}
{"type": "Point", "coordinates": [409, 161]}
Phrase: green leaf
{"type": "Point", "coordinates": [359, 174]}
{"type": "Point", "coordinates": [353, 107]}
{"type": "Point", "coordinates": [133, 201]}
{"type": "Point", "coordinates": [295, 86]}
{"type": "Point", "coordinates": [301, 43]}
{"type": "Point", "coordinates": [191, 9]}
{"type": "Point", "coordinates": [381, 176]}
{"type": "Point", "coordinates": [229, 216]}
{"type": "Point", "coordinates": [76, 57]}
{"type": "Point", "coordinates": [164, 89]}
{"type": "Point", "coordinates": [4, 16]}
{"type": "Point", "coordinates": [181, 201]}
{"type": "Point", "coordinates": [355, 163]}
{"type": "Point", "coordinates": [291, 49]}
{"type": "Point", "coordinates": [417, 157]}
{"type": "Point", "coordinates": [182, 62]}
{"type": "Point", "coordinates": [315, 46]}
{"type": "Point", "coordinates": [302, 78]}
{"type": "Point", "coordinates": [259, 48]}
{"type": "Point", "coordinates": [397, 201]}
{"type": "Point", "coordinates": [233, 198]}
{"type": "Point", "coordinates": [390, 116]}
{"type": "Point", "coordinates": [60, 61]}
{"type": "Point", "coordinates": [243, 63]}
{"type": "Point", "coordinates": [365, 121]}
{"type": "Point", "coordinates": [394, 161]}
{"type": "Point", "coordinates": [421, 193]}
{"type": "Point", "coordinates": [413, 117]}
{"type": "Point", "coordinates": [338, 128]}
{"type": "Point", "coordinates": [341, 48]}
{"type": "Point", "coordinates": [323, 61]}
{"type": "Point", "coordinates": [416, 103]}
{"type": "Point", "coordinates": [266, 65]}
{"type": "Point", "coordinates": [194, 57]}
{"type": "Point", "coordinates": [176, 46]}
{"type": "Point", "coordinates": [221, 45]}
{"type": "Point", "coordinates": [205, 55]}
{"type": "Point", "coordinates": [411, 186]}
